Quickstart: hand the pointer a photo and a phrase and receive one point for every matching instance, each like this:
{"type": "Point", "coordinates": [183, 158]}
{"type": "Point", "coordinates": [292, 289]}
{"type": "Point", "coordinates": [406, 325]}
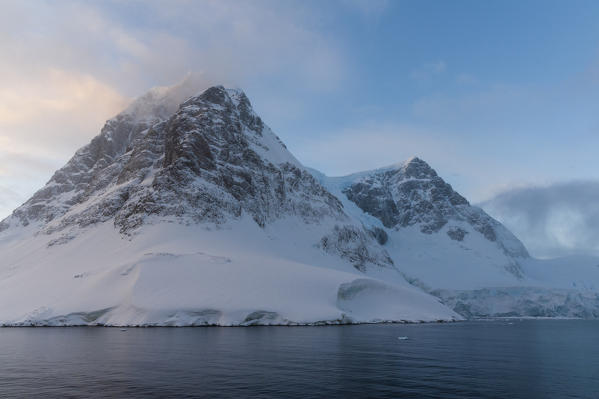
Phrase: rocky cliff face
{"type": "Point", "coordinates": [221, 160]}
{"type": "Point", "coordinates": [211, 160]}
{"type": "Point", "coordinates": [407, 195]}
{"type": "Point", "coordinates": [412, 194]}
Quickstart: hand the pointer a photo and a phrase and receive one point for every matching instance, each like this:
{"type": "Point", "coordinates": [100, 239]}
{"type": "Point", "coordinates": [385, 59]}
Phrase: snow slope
{"type": "Point", "coordinates": [172, 274]}
{"type": "Point", "coordinates": [195, 215]}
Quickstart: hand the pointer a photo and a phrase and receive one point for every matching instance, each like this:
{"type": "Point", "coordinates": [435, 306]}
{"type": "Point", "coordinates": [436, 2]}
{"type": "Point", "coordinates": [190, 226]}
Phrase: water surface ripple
{"type": "Point", "coordinates": [498, 359]}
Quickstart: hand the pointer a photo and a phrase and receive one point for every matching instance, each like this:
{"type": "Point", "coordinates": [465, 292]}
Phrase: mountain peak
{"type": "Point", "coordinates": [416, 168]}
{"type": "Point", "coordinates": [412, 193]}
{"type": "Point", "coordinates": [414, 159]}
{"type": "Point", "coordinates": [207, 159]}
{"type": "Point", "coordinates": [216, 95]}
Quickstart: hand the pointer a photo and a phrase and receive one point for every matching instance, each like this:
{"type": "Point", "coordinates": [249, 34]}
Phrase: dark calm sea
{"type": "Point", "coordinates": [484, 359]}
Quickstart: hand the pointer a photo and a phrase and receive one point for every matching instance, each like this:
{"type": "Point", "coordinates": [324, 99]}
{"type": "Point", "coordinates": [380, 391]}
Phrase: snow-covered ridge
{"type": "Point", "coordinates": [187, 209]}
{"type": "Point", "coordinates": [412, 194]}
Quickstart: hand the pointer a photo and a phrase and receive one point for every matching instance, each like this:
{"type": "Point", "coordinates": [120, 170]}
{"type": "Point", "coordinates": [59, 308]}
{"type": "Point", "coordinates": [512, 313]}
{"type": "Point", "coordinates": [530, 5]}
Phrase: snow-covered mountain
{"type": "Point", "coordinates": [431, 228]}
{"type": "Point", "coordinates": [458, 252]}
{"type": "Point", "coordinates": [196, 214]}
{"type": "Point", "coordinates": [187, 209]}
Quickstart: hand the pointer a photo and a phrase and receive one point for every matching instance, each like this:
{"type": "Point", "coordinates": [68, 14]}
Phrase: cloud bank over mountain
{"type": "Point", "coordinates": [553, 220]}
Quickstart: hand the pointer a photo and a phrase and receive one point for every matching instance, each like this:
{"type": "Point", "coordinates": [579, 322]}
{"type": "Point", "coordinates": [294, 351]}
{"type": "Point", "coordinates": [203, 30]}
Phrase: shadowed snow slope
{"type": "Point", "coordinates": [195, 216]}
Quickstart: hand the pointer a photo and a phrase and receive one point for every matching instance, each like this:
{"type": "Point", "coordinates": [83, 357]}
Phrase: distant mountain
{"type": "Point", "coordinates": [187, 209]}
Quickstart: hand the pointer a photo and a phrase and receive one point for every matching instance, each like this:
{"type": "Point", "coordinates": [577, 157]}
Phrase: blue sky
{"type": "Point", "coordinates": [503, 91]}
{"type": "Point", "coordinates": [494, 95]}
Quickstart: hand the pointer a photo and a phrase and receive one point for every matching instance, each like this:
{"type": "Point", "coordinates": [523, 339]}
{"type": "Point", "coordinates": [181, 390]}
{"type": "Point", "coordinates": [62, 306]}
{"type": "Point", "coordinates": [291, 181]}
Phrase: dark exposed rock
{"type": "Point", "coordinates": [416, 168]}
{"type": "Point", "coordinates": [376, 201]}
{"type": "Point", "coordinates": [356, 246]}
{"type": "Point", "coordinates": [408, 195]}
{"type": "Point", "coordinates": [413, 194]}
{"type": "Point", "coordinates": [216, 95]}
{"type": "Point", "coordinates": [379, 235]}
{"type": "Point", "coordinates": [456, 233]}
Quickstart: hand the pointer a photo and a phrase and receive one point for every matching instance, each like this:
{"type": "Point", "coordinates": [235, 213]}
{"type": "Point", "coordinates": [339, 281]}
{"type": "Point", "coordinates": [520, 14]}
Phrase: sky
{"type": "Point", "coordinates": [496, 96]}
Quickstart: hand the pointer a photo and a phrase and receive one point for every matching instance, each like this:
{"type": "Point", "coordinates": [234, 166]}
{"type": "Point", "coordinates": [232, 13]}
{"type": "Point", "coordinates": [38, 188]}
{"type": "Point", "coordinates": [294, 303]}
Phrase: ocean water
{"type": "Point", "coordinates": [484, 359]}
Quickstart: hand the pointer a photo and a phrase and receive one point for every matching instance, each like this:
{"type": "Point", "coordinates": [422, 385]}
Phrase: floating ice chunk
{"type": "Point", "coordinates": [402, 338]}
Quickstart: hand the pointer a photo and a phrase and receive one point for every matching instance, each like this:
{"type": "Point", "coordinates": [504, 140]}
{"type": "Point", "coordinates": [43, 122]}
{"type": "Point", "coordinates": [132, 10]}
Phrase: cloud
{"type": "Point", "coordinates": [29, 103]}
{"type": "Point", "coordinates": [44, 117]}
{"type": "Point", "coordinates": [138, 44]}
{"type": "Point", "coordinates": [553, 220]}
